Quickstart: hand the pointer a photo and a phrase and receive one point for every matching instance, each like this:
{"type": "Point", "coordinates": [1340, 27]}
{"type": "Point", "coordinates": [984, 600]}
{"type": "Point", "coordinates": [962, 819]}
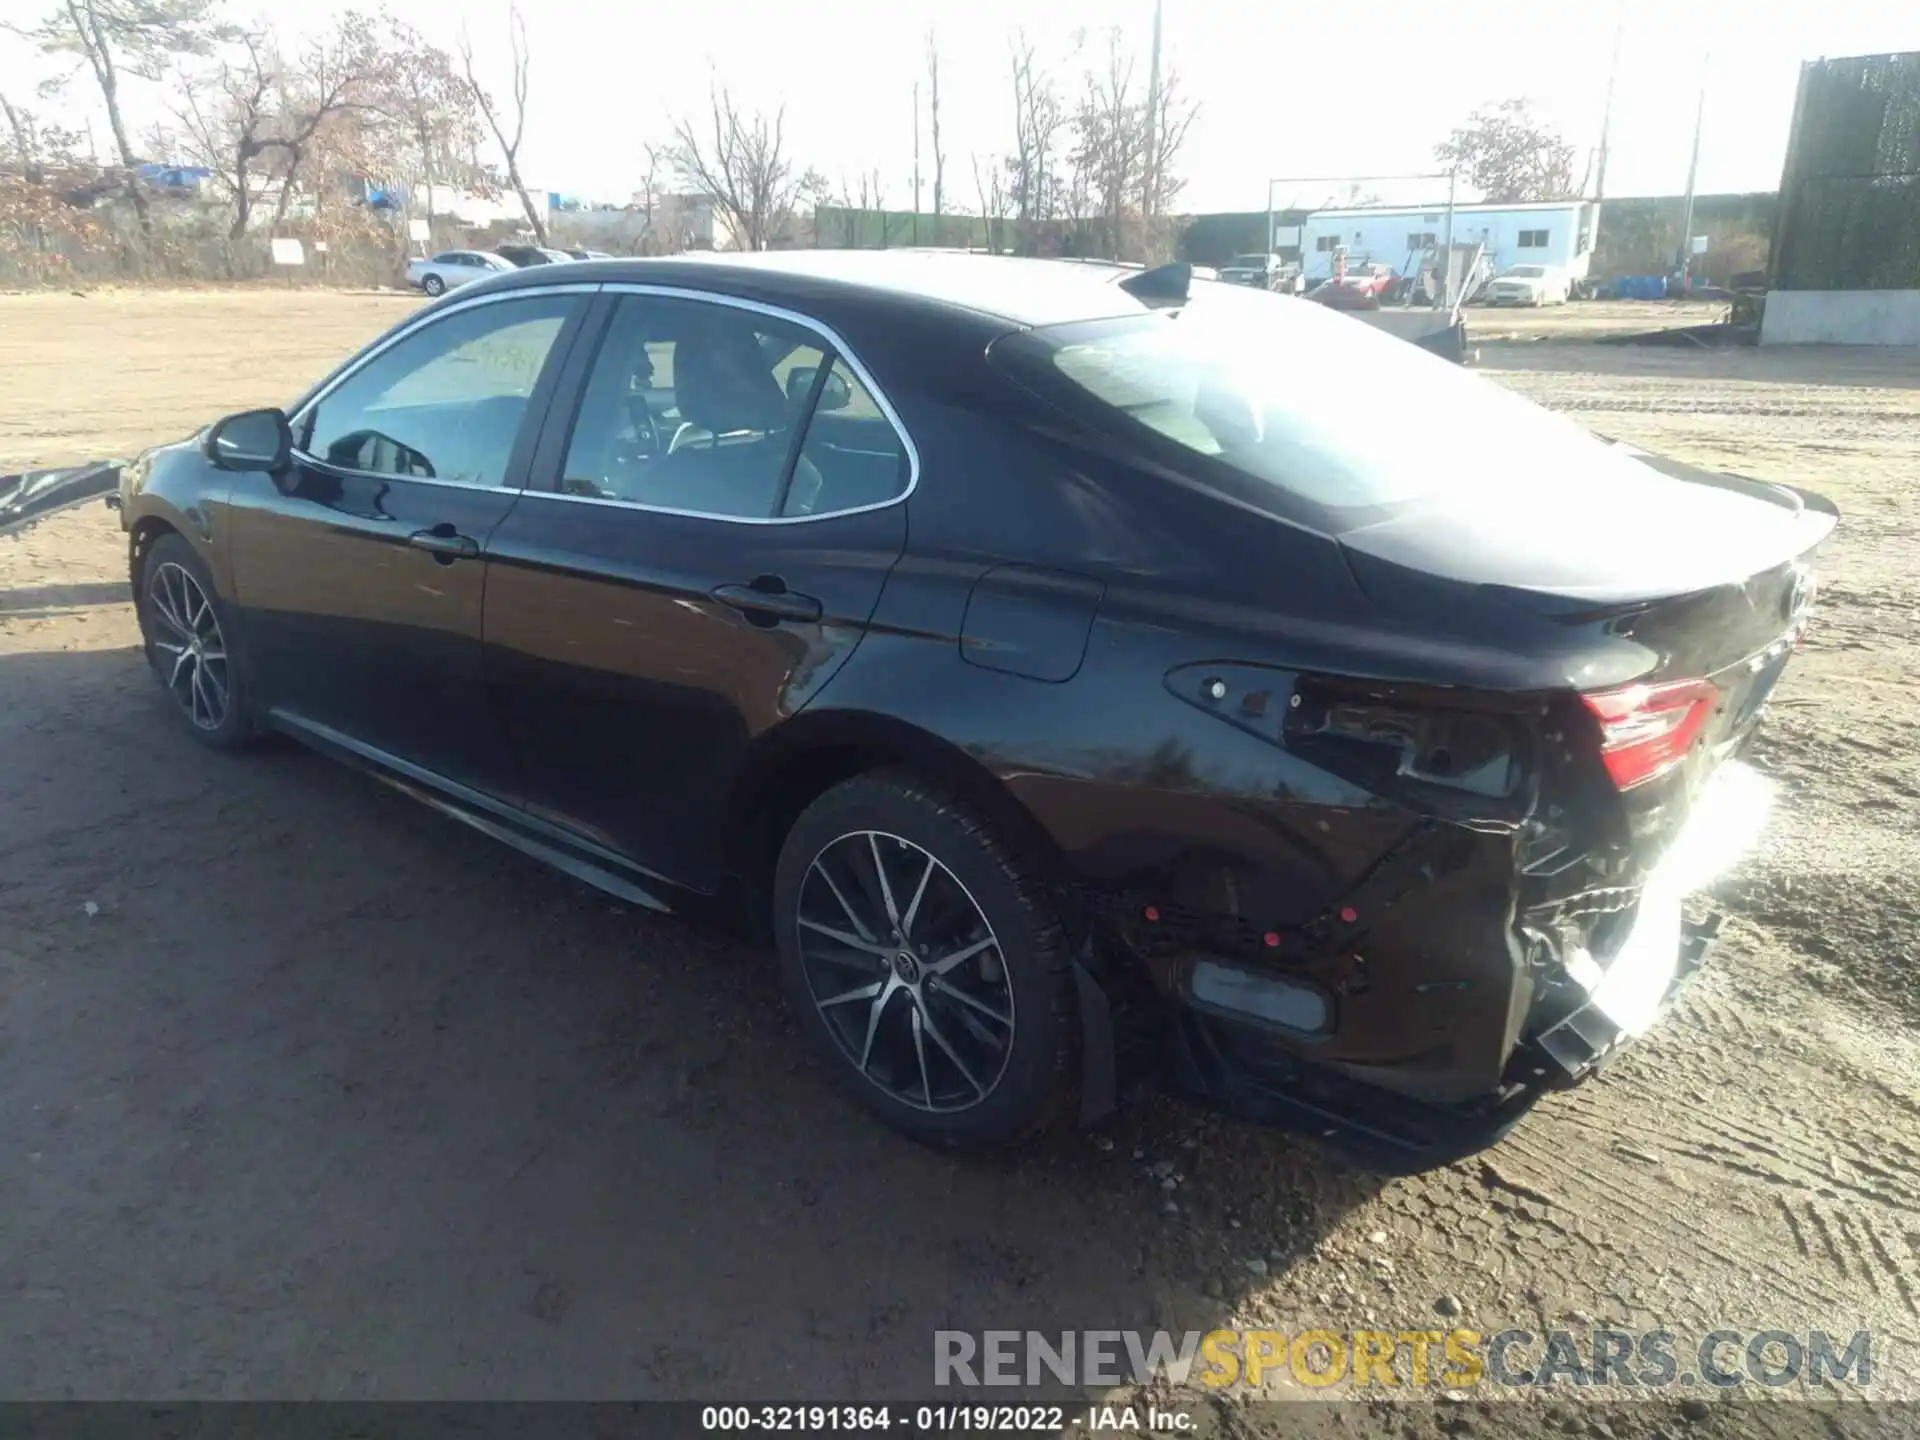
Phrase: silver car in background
{"type": "Point", "coordinates": [442, 272]}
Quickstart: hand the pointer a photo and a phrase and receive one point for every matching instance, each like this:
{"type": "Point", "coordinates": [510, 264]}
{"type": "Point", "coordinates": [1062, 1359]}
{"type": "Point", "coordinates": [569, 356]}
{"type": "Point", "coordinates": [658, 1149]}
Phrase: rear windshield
{"type": "Point", "coordinates": [1248, 262]}
{"type": "Point", "coordinates": [1527, 272]}
{"type": "Point", "coordinates": [1302, 410]}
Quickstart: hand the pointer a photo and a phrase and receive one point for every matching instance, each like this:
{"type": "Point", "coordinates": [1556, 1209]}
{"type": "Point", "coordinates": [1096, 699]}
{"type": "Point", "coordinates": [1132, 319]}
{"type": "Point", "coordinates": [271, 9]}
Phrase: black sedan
{"type": "Point", "coordinates": [1079, 672]}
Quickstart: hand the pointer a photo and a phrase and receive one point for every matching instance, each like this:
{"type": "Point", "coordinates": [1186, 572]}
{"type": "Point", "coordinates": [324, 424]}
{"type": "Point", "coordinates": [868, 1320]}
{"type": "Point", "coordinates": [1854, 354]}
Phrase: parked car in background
{"type": "Point", "coordinates": [1259, 271]}
{"type": "Point", "coordinates": [589, 255]}
{"type": "Point", "coordinates": [1362, 287]}
{"type": "Point", "coordinates": [1530, 285]}
{"type": "Point", "coordinates": [521, 256]}
{"type": "Point", "coordinates": [1071, 668]}
{"type": "Point", "coordinates": [450, 268]}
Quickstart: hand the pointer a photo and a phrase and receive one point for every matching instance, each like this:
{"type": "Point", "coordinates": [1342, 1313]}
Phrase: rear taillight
{"type": "Point", "coordinates": [1645, 730]}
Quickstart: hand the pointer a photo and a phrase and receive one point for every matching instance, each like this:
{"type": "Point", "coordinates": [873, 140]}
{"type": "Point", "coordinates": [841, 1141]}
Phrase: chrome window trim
{"type": "Point", "coordinates": [421, 322]}
{"type": "Point", "coordinates": [841, 351]}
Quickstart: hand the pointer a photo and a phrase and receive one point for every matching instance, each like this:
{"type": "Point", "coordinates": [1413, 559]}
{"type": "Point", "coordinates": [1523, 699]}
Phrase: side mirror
{"type": "Point", "coordinates": [836, 394]}
{"type": "Point", "coordinates": [251, 440]}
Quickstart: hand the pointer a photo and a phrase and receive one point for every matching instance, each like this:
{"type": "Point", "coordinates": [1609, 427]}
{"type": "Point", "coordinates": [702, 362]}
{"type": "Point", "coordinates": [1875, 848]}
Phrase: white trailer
{"type": "Point", "coordinates": [1558, 233]}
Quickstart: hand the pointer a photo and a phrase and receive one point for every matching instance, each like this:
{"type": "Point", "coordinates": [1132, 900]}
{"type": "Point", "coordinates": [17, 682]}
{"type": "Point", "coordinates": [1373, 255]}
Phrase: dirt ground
{"type": "Point", "coordinates": [306, 1091]}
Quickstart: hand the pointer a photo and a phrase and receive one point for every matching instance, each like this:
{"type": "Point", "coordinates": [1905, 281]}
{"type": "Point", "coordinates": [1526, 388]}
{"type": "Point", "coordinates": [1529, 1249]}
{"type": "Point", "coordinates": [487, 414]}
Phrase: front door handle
{"type": "Point", "coordinates": [445, 543]}
{"type": "Point", "coordinates": [767, 601]}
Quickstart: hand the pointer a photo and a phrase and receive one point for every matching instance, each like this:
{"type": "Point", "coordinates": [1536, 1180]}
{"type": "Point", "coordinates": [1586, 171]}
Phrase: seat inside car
{"type": "Point", "coordinates": [722, 386]}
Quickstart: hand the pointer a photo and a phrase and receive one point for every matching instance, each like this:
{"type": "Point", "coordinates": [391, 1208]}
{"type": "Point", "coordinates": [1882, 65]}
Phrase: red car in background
{"type": "Point", "coordinates": [1362, 287]}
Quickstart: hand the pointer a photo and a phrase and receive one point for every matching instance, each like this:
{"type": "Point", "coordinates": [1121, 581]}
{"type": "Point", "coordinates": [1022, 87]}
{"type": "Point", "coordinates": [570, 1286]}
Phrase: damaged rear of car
{"type": "Point", "coordinates": [1503, 672]}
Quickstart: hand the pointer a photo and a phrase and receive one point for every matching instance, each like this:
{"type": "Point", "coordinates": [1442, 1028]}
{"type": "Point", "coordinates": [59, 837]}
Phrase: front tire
{"type": "Point", "coordinates": [927, 963]}
{"type": "Point", "coordinates": [189, 642]}
{"type": "Point", "coordinates": [434, 285]}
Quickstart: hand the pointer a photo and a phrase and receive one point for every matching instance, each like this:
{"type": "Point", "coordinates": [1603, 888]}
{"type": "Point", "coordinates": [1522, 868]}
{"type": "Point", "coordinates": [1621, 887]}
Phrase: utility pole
{"type": "Point", "coordinates": [916, 162]}
{"type": "Point", "coordinates": [1693, 170]}
{"type": "Point", "coordinates": [1606, 112]}
{"type": "Point", "coordinates": [1152, 197]}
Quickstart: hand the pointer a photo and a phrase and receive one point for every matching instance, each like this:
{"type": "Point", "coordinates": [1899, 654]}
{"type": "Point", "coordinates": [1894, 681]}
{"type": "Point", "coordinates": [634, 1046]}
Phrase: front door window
{"type": "Point", "coordinates": [446, 402]}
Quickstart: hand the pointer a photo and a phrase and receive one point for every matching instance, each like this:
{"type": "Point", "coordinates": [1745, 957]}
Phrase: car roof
{"type": "Point", "coordinates": [1025, 292]}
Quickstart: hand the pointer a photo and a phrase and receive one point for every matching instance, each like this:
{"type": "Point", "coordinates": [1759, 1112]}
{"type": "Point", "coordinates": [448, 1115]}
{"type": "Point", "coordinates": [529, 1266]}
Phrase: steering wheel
{"type": "Point", "coordinates": [646, 443]}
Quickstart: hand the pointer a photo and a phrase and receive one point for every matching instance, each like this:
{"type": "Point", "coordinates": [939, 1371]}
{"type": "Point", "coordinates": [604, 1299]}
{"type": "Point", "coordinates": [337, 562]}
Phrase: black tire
{"type": "Point", "coordinates": [1036, 1083]}
{"type": "Point", "coordinates": [199, 666]}
{"type": "Point", "coordinates": [434, 285]}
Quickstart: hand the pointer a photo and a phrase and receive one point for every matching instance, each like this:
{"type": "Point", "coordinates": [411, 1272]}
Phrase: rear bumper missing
{"type": "Point", "coordinates": [1246, 1070]}
{"type": "Point", "coordinates": [1581, 1043]}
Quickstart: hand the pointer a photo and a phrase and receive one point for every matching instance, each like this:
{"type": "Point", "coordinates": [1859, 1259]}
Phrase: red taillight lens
{"type": "Point", "coordinates": [1645, 730]}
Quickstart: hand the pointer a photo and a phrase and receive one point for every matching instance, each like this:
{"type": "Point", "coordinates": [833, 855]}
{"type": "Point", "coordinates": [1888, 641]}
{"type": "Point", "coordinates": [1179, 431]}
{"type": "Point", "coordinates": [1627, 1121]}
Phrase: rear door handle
{"type": "Point", "coordinates": [445, 543]}
{"type": "Point", "coordinates": [764, 604]}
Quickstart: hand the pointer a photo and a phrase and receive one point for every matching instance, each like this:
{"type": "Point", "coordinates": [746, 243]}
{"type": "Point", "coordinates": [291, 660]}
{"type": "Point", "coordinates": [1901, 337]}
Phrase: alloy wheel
{"type": "Point", "coordinates": [905, 970]}
{"type": "Point", "coordinates": [192, 657]}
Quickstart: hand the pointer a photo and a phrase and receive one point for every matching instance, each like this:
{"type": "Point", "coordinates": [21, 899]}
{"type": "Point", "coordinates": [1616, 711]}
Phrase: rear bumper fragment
{"type": "Point", "coordinates": [1244, 1070]}
{"type": "Point", "coordinates": [1580, 1044]}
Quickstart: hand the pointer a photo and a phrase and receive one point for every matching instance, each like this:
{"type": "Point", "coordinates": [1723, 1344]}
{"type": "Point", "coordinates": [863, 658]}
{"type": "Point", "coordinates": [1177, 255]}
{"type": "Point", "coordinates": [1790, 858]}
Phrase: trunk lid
{"type": "Point", "coordinates": [1657, 529]}
{"type": "Point", "coordinates": [1671, 573]}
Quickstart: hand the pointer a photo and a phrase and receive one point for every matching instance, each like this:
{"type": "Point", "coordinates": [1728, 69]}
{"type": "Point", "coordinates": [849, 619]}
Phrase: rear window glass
{"type": "Point", "coordinates": [1332, 420]}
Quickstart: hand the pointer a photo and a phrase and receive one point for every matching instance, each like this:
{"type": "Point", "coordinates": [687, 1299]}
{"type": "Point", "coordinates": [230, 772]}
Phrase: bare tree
{"type": "Point", "coordinates": [223, 117]}
{"type": "Point", "coordinates": [1037, 118]}
{"type": "Point", "coordinates": [1509, 156]}
{"type": "Point", "coordinates": [1109, 148]}
{"type": "Point", "coordinates": [509, 148]}
{"type": "Point", "coordinates": [991, 183]}
{"type": "Point", "coordinates": [334, 76]}
{"type": "Point", "coordinates": [24, 127]}
{"type": "Point", "coordinates": [126, 37]}
{"type": "Point", "coordinates": [1123, 175]}
{"type": "Point", "coordinates": [1168, 123]}
{"type": "Point", "coordinates": [649, 196]}
{"type": "Point", "coordinates": [742, 165]}
{"type": "Point", "coordinates": [430, 105]}
{"type": "Point", "coordinates": [939, 155]}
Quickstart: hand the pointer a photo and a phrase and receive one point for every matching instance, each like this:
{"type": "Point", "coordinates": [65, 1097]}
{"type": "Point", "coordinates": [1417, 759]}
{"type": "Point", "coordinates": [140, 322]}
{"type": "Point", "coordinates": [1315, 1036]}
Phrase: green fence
{"type": "Point", "coordinates": [845, 227]}
{"type": "Point", "coordinates": [1849, 214]}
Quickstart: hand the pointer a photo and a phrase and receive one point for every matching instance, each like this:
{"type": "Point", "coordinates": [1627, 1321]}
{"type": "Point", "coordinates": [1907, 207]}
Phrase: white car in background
{"type": "Point", "coordinates": [1530, 285]}
{"type": "Point", "coordinates": [451, 268]}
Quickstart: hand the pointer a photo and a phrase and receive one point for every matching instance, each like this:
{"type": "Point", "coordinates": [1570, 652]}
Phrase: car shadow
{"type": "Point", "coordinates": [34, 602]}
{"type": "Point", "coordinates": [324, 1094]}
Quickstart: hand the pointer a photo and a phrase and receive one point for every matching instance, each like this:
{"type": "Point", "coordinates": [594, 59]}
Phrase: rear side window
{"type": "Point", "coordinates": [852, 456]}
{"type": "Point", "coordinates": [1300, 409]}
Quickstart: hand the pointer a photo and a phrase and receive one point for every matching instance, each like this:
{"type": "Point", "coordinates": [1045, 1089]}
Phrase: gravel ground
{"type": "Point", "coordinates": [308, 1092]}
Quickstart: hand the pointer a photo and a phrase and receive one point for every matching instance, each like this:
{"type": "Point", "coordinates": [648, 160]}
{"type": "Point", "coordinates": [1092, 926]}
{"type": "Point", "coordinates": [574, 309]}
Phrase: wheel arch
{"type": "Point", "coordinates": [810, 754]}
{"type": "Point", "coordinates": [141, 535]}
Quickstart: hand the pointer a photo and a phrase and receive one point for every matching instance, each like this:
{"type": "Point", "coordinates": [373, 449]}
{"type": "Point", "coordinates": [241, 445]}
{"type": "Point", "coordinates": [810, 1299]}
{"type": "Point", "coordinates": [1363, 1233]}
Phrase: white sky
{"type": "Point", "coordinates": [1323, 89]}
